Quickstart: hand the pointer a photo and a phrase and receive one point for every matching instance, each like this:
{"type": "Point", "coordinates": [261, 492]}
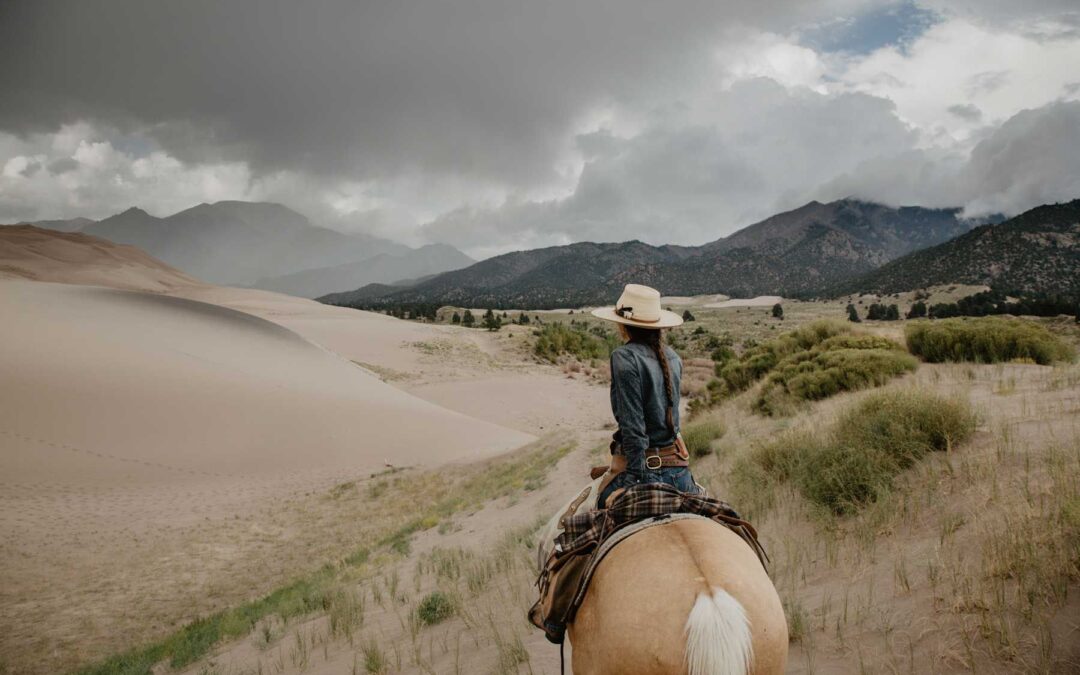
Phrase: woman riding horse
{"type": "Point", "coordinates": [687, 596]}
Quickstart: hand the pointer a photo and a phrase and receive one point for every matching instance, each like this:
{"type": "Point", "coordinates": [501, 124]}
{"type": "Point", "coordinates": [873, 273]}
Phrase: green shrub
{"type": "Point", "coordinates": [813, 375]}
{"type": "Point", "coordinates": [986, 340]}
{"type": "Point", "coordinates": [854, 461]}
{"type": "Point", "coordinates": [700, 435]}
{"type": "Point", "coordinates": [436, 607]}
{"type": "Point", "coordinates": [556, 339]}
{"type": "Point", "coordinates": [738, 375]}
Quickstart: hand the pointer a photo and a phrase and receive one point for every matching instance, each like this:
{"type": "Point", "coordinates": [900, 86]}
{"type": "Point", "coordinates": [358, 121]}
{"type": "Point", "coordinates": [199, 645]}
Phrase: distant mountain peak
{"type": "Point", "coordinates": [1037, 251]}
{"type": "Point", "coordinates": [796, 252]}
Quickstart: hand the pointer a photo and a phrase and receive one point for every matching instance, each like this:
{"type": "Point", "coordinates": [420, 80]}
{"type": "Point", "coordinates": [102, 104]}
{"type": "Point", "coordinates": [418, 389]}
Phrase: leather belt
{"type": "Point", "coordinates": [656, 458]}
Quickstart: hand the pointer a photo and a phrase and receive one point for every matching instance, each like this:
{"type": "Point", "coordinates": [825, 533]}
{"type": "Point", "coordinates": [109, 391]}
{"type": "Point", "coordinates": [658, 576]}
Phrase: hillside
{"type": "Point", "coordinates": [575, 274]}
{"type": "Point", "coordinates": [33, 253]}
{"type": "Point", "coordinates": [239, 242]}
{"type": "Point", "coordinates": [1036, 252]}
{"type": "Point", "coordinates": [382, 268]}
{"type": "Point", "coordinates": [71, 225]}
{"type": "Point", "coordinates": [798, 252]}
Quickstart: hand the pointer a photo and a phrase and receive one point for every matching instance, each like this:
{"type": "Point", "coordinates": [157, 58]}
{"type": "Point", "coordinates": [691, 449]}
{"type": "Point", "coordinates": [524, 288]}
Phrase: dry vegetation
{"type": "Point", "coordinates": [931, 524]}
{"type": "Point", "coordinates": [967, 560]}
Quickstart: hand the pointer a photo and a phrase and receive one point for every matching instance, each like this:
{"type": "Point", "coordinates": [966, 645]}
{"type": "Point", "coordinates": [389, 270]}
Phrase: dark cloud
{"type": "Point", "coordinates": [1027, 161]}
{"type": "Point", "coordinates": [485, 87]}
{"type": "Point", "coordinates": [966, 111]}
{"type": "Point", "coordinates": [513, 124]}
{"type": "Point", "coordinates": [679, 181]}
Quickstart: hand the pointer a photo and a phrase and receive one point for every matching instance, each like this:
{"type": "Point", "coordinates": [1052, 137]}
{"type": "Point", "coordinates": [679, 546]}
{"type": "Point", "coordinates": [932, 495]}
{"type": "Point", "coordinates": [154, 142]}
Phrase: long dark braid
{"type": "Point", "coordinates": [654, 337]}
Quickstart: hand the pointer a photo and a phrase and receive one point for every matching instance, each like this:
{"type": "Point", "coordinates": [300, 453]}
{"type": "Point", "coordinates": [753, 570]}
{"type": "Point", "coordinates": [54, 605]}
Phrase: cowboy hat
{"type": "Point", "coordinates": [639, 306]}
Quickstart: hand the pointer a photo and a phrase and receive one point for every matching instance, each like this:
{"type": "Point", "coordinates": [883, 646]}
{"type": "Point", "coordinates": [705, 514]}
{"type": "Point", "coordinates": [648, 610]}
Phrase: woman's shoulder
{"type": "Point", "coordinates": [625, 352]}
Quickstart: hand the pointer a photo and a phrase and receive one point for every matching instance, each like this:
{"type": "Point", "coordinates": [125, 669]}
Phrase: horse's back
{"type": "Point", "coordinates": [634, 618]}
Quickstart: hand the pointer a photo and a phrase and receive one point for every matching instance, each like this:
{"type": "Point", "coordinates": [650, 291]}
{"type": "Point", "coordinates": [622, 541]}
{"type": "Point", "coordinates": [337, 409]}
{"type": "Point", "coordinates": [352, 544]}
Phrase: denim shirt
{"type": "Point", "coordinates": [639, 402]}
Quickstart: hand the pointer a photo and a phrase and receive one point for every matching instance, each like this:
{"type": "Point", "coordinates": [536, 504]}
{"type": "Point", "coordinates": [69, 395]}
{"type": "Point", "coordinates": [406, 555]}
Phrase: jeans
{"type": "Point", "coordinates": [678, 477]}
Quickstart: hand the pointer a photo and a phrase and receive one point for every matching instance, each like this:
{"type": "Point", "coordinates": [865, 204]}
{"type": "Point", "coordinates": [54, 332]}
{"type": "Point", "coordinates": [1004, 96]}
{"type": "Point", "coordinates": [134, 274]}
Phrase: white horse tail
{"type": "Point", "coordinates": [718, 636]}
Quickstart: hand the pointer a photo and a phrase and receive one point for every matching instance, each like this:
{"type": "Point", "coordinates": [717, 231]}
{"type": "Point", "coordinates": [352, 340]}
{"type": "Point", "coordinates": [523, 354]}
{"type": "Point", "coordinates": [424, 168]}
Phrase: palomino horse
{"type": "Point", "coordinates": [688, 596]}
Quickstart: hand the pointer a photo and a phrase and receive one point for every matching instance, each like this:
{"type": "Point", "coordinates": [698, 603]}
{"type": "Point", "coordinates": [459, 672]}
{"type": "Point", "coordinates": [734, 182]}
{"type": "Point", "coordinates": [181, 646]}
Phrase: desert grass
{"type": "Point", "coordinates": [700, 434]}
{"type": "Point", "coordinates": [986, 340]}
{"type": "Point", "coordinates": [854, 461]}
{"type": "Point", "coordinates": [968, 562]}
{"type": "Point", "coordinates": [410, 505]}
{"type": "Point", "coordinates": [941, 573]}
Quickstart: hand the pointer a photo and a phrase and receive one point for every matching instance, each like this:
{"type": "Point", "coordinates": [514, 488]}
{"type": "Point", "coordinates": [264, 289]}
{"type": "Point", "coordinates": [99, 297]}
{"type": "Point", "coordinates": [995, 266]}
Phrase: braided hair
{"type": "Point", "coordinates": [654, 338]}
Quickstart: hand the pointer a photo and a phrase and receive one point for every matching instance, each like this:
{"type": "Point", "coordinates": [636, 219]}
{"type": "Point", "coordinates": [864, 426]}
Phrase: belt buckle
{"type": "Point", "coordinates": [648, 464]}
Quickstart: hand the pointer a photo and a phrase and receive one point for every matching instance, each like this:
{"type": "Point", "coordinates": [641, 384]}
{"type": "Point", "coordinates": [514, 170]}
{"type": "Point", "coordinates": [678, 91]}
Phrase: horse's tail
{"type": "Point", "coordinates": [718, 636]}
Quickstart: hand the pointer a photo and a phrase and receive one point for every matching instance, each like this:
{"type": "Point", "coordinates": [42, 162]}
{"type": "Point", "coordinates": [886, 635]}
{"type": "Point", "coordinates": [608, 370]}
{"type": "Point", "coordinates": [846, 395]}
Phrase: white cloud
{"type": "Point", "coordinates": [961, 63]}
{"type": "Point", "coordinates": [79, 171]}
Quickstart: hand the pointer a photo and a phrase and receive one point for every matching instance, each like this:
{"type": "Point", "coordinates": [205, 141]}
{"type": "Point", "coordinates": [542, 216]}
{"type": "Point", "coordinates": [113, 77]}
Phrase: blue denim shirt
{"type": "Point", "coordinates": [639, 402]}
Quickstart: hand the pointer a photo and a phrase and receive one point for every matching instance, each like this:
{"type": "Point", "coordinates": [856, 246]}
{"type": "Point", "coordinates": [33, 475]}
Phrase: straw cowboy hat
{"type": "Point", "coordinates": [639, 306]}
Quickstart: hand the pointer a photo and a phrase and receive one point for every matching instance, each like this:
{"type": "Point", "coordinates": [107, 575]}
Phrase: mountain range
{"type": "Point", "coordinates": [796, 253]}
{"type": "Point", "coordinates": [267, 246]}
{"type": "Point", "coordinates": [1038, 251]}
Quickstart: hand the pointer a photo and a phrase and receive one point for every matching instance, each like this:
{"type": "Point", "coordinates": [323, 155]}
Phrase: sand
{"type": "Point", "coordinates": [759, 301]}
{"type": "Point", "coordinates": [154, 433]}
{"type": "Point", "coordinates": [28, 252]}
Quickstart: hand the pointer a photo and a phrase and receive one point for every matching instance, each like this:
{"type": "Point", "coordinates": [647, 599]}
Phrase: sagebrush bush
{"type": "Point", "coordinates": [840, 362]}
{"type": "Point", "coordinates": [700, 435]}
{"type": "Point", "coordinates": [814, 375]}
{"type": "Point", "coordinates": [853, 462]}
{"type": "Point", "coordinates": [556, 339]}
{"type": "Point", "coordinates": [990, 339]}
{"type": "Point", "coordinates": [737, 375]}
{"type": "Point", "coordinates": [436, 607]}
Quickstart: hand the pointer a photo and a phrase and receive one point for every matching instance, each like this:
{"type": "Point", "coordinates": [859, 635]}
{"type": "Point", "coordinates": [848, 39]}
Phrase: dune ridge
{"type": "Point", "coordinates": [34, 253]}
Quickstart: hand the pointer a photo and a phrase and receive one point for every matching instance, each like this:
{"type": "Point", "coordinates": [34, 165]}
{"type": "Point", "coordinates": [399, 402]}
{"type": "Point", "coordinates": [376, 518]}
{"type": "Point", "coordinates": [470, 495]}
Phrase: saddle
{"type": "Point", "coordinates": [589, 536]}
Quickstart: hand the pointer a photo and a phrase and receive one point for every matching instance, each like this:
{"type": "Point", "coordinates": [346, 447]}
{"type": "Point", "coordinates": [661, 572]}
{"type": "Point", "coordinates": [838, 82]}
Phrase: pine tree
{"type": "Point", "coordinates": [853, 314]}
{"type": "Point", "coordinates": [523, 319]}
{"type": "Point", "coordinates": [892, 313]}
{"type": "Point", "coordinates": [687, 316]}
{"type": "Point", "coordinates": [491, 321]}
{"type": "Point", "coordinates": [917, 311]}
{"type": "Point", "coordinates": [468, 320]}
{"type": "Point", "coordinates": [778, 311]}
{"type": "Point", "coordinates": [456, 318]}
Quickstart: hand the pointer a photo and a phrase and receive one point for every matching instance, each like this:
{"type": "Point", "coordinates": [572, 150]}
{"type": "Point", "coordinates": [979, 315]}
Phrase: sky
{"type": "Point", "coordinates": [497, 125]}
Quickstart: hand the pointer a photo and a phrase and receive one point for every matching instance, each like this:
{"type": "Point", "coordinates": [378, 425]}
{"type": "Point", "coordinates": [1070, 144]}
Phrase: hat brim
{"type": "Point", "coordinates": [667, 319]}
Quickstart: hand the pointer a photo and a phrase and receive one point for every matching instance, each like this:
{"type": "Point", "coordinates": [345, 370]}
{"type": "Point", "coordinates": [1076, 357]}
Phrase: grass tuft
{"type": "Point", "coordinates": [700, 435]}
{"type": "Point", "coordinates": [853, 463]}
{"type": "Point", "coordinates": [436, 607]}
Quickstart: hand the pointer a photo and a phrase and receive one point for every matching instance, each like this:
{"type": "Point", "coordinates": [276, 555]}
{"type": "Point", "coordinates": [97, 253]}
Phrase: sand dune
{"type": "Point", "coordinates": [759, 301]}
{"type": "Point", "coordinates": [155, 388]}
{"type": "Point", "coordinates": [28, 252]}
{"type": "Point", "coordinates": [151, 439]}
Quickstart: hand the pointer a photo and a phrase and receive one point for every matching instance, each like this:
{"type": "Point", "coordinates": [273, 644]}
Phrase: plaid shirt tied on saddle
{"type": "Point", "coordinates": [583, 532]}
{"type": "Point", "coordinates": [579, 548]}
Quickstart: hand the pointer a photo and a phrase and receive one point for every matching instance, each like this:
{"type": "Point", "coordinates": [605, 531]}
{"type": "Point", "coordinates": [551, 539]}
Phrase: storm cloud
{"type": "Point", "coordinates": [494, 125]}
